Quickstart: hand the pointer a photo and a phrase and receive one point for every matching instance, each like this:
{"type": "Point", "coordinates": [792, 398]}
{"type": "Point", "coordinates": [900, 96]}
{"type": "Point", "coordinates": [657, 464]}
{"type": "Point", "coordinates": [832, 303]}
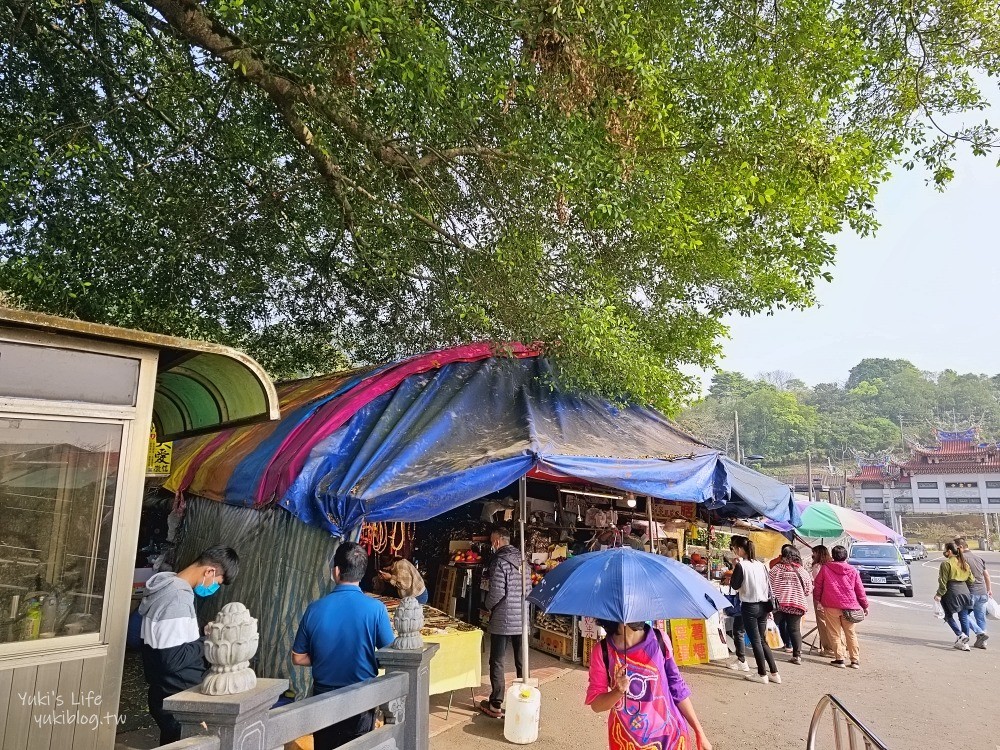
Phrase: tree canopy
{"type": "Point", "coordinates": [370, 178]}
{"type": "Point", "coordinates": [832, 420]}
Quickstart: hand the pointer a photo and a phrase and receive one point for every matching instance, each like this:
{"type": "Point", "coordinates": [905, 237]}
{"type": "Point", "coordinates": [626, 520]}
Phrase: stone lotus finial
{"type": "Point", "coordinates": [408, 621]}
{"type": "Point", "coordinates": [229, 647]}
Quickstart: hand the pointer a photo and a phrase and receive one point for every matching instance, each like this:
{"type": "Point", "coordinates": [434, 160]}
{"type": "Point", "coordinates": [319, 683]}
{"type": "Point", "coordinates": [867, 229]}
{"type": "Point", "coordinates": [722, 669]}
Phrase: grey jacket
{"type": "Point", "coordinates": [506, 592]}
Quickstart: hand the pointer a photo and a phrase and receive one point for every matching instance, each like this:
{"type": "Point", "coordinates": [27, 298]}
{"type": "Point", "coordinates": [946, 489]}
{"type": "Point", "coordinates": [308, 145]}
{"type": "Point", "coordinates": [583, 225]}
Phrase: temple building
{"type": "Point", "coordinates": [958, 474]}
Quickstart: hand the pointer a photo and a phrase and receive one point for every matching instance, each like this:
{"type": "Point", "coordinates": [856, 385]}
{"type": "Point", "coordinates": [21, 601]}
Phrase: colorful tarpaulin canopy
{"type": "Point", "coordinates": [411, 440]}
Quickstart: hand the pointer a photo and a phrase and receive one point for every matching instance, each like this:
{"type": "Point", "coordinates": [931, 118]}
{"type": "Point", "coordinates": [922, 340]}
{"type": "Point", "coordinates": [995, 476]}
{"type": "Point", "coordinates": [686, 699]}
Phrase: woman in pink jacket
{"type": "Point", "coordinates": [838, 590]}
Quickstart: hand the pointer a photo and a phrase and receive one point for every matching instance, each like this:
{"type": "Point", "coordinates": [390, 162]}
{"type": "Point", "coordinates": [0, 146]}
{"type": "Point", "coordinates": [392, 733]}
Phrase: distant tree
{"type": "Point", "coordinates": [780, 379]}
{"type": "Point", "coordinates": [728, 385]}
{"type": "Point", "coordinates": [877, 369]}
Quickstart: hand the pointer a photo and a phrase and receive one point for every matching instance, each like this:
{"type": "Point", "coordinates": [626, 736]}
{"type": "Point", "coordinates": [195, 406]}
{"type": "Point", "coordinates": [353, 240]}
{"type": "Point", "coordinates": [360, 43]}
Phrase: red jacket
{"type": "Point", "coordinates": [838, 586]}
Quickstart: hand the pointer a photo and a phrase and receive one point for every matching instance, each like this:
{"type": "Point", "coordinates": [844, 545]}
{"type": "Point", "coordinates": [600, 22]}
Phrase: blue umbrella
{"type": "Point", "coordinates": [625, 585]}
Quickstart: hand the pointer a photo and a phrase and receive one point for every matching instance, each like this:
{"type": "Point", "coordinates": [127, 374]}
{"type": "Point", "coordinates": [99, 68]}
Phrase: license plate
{"type": "Point", "coordinates": [878, 579]}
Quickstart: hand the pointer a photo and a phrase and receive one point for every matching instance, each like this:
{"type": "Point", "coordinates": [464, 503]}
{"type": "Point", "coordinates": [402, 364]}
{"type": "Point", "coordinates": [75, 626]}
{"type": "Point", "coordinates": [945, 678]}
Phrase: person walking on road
{"type": "Point", "coordinates": [634, 676]}
{"type": "Point", "coordinates": [820, 557]}
{"type": "Point", "coordinates": [955, 581]}
{"type": "Point", "coordinates": [791, 588]}
{"type": "Point", "coordinates": [981, 589]}
{"type": "Point", "coordinates": [750, 580]}
{"type": "Point", "coordinates": [839, 592]}
{"type": "Point", "coordinates": [507, 592]}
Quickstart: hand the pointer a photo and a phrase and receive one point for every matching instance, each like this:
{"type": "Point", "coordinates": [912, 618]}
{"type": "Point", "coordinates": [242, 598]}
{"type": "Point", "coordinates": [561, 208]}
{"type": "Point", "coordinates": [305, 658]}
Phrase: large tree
{"type": "Point", "coordinates": [373, 177]}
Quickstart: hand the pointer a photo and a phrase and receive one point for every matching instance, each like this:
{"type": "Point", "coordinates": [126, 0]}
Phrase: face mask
{"type": "Point", "coordinates": [202, 590]}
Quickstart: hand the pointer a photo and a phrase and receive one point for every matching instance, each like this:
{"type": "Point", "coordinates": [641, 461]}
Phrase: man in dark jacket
{"type": "Point", "coordinates": [507, 592]}
{"type": "Point", "coordinates": [172, 655]}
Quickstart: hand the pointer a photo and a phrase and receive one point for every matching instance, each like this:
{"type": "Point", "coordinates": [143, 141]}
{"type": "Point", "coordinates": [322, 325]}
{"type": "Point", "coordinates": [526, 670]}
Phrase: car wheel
{"type": "Point", "coordinates": [908, 593]}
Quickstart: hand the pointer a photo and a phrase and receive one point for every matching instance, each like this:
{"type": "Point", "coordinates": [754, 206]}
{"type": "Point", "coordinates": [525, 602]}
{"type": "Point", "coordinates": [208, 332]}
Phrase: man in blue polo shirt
{"type": "Point", "coordinates": [338, 637]}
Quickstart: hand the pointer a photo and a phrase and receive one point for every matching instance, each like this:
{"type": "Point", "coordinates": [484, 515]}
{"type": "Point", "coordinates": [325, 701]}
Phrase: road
{"type": "Point", "coordinates": [914, 690]}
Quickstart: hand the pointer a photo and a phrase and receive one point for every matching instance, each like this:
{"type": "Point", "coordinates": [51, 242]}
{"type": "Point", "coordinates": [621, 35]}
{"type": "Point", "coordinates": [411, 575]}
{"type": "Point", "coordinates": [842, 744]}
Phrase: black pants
{"type": "Point", "coordinates": [755, 620]}
{"type": "Point", "coordinates": [738, 632]}
{"type": "Point", "coordinates": [498, 650]}
{"type": "Point", "coordinates": [343, 732]}
{"type": "Point", "coordinates": [792, 625]}
{"type": "Point", "coordinates": [170, 728]}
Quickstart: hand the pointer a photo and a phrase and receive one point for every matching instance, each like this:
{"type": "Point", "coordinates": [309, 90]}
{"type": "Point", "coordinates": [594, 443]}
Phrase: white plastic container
{"type": "Point", "coordinates": [522, 711]}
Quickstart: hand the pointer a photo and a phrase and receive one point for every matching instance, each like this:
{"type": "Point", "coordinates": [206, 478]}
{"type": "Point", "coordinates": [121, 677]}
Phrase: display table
{"type": "Point", "coordinates": [458, 664]}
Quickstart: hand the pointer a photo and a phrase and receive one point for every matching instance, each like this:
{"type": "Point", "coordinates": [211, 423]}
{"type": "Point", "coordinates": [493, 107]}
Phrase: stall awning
{"type": "Point", "coordinates": [200, 387]}
{"type": "Point", "coordinates": [411, 440]}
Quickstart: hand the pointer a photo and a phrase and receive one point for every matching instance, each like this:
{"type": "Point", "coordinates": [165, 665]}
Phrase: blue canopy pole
{"type": "Point", "coordinates": [522, 493]}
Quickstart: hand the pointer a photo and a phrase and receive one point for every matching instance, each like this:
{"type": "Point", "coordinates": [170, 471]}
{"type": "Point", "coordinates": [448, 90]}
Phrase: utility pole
{"type": "Point", "coordinates": [736, 422]}
{"type": "Point", "coordinates": [902, 440]}
{"type": "Point", "coordinates": [809, 471]}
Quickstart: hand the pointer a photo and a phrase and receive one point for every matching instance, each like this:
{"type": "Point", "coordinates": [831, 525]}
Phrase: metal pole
{"type": "Point", "coordinates": [809, 470]}
{"type": "Point", "coordinates": [649, 518]}
{"type": "Point", "coordinates": [902, 440]}
{"type": "Point", "coordinates": [522, 492]}
{"type": "Point", "coordinates": [736, 422]}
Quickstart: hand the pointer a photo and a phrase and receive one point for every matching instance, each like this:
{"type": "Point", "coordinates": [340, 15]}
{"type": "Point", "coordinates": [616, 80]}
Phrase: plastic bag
{"type": "Point", "coordinates": [773, 635]}
{"type": "Point", "coordinates": [993, 609]}
{"type": "Point", "coordinates": [938, 610]}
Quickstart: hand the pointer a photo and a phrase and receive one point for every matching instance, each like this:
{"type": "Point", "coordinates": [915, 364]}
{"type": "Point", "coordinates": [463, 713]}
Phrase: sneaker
{"type": "Point", "coordinates": [739, 666]}
{"type": "Point", "coordinates": [761, 678]}
{"type": "Point", "coordinates": [854, 665]}
{"type": "Point", "coordinates": [775, 678]}
{"type": "Point", "coordinates": [965, 645]}
{"type": "Point", "coordinates": [839, 663]}
{"type": "Point", "coordinates": [981, 640]}
{"type": "Point", "coordinates": [961, 642]}
{"type": "Point", "coordinates": [493, 713]}
{"type": "Point", "coordinates": [795, 660]}
{"type": "Point", "coordinates": [787, 649]}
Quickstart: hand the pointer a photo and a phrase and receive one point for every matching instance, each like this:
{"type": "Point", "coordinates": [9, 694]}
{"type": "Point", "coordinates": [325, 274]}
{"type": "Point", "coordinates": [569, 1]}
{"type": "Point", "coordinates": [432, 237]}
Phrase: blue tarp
{"type": "Point", "coordinates": [455, 434]}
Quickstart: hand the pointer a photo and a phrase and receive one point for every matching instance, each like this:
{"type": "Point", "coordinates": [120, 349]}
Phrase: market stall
{"type": "Point", "coordinates": [412, 440]}
{"type": "Point", "coordinates": [458, 663]}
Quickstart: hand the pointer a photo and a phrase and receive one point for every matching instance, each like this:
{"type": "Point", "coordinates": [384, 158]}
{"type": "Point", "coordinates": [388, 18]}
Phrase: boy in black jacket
{"type": "Point", "coordinates": [172, 656]}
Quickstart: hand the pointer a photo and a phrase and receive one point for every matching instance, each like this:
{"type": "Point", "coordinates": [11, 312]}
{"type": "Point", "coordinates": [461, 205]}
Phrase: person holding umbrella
{"type": "Point", "coordinates": [633, 676]}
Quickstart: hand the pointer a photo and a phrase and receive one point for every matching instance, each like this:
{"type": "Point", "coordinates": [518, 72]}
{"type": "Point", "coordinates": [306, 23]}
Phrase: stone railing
{"type": "Point", "coordinates": [245, 720]}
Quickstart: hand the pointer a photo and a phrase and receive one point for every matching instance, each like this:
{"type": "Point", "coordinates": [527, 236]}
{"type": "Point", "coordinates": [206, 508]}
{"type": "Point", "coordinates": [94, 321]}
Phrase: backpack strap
{"type": "Point", "coordinates": [663, 645]}
{"type": "Point", "coordinates": [604, 652]}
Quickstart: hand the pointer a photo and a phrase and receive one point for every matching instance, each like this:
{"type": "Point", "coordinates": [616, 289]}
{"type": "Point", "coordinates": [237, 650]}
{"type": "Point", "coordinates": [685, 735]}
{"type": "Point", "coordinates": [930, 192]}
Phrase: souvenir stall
{"type": "Point", "coordinates": [412, 440]}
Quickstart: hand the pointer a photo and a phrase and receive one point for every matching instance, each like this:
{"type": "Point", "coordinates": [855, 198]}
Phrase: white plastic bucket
{"type": "Point", "coordinates": [522, 712]}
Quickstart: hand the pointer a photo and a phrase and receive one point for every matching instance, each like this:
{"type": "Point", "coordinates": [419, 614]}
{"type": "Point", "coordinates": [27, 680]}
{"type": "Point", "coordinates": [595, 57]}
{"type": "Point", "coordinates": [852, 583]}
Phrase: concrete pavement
{"type": "Point", "coordinates": [914, 690]}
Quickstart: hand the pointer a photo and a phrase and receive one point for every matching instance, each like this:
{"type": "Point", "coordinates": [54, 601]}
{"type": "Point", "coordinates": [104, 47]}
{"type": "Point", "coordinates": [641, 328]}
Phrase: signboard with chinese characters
{"type": "Point", "coordinates": [664, 510]}
{"type": "Point", "coordinates": [690, 642]}
{"type": "Point", "coordinates": [158, 457]}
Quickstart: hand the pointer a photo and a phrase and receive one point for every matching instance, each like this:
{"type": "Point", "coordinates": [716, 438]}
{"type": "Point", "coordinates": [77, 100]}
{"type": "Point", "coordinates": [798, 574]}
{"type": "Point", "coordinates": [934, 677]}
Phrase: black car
{"type": "Point", "coordinates": [882, 568]}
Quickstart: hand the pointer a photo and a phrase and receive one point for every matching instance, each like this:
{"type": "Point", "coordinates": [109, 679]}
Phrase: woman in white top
{"type": "Point", "coordinates": [751, 580]}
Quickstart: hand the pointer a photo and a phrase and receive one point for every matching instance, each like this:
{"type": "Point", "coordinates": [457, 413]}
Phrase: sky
{"type": "Point", "coordinates": [925, 287]}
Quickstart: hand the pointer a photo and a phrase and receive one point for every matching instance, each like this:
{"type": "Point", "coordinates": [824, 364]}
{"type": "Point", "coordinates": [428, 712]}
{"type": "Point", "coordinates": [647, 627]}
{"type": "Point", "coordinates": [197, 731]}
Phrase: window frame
{"type": "Point", "coordinates": [134, 422]}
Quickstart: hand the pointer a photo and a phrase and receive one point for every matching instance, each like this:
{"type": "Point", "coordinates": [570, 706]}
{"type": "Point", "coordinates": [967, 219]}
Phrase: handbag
{"type": "Point", "coordinates": [854, 615]}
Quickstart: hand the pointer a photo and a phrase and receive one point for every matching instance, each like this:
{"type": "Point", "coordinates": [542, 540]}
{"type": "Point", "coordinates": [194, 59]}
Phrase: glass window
{"type": "Point", "coordinates": [905, 500]}
{"type": "Point", "coordinates": [57, 494]}
{"type": "Point", "coordinates": [28, 371]}
{"type": "Point", "coordinates": [927, 485]}
{"type": "Point", "coordinates": [930, 500]}
{"type": "Point", "coordinates": [875, 551]}
{"type": "Point", "coordinates": [994, 500]}
{"type": "Point", "coordinates": [961, 485]}
{"type": "Point", "coordinates": [964, 500]}
{"type": "Point", "coordinates": [993, 485]}
{"type": "Point", "coordinates": [871, 485]}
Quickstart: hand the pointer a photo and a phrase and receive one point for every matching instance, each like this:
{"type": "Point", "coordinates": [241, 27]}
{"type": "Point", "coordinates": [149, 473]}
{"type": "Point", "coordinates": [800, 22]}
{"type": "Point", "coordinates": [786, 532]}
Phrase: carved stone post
{"type": "Point", "coordinates": [231, 702]}
{"type": "Point", "coordinates": [416, 706]}
{"type": "Point", "coordinates": [408, 621]}
{"type": "Point", "coordinates": [230, 645]}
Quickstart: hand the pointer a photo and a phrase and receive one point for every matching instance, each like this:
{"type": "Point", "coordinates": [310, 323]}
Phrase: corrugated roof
{"type": "Point", "coordinates": [200, 387]}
